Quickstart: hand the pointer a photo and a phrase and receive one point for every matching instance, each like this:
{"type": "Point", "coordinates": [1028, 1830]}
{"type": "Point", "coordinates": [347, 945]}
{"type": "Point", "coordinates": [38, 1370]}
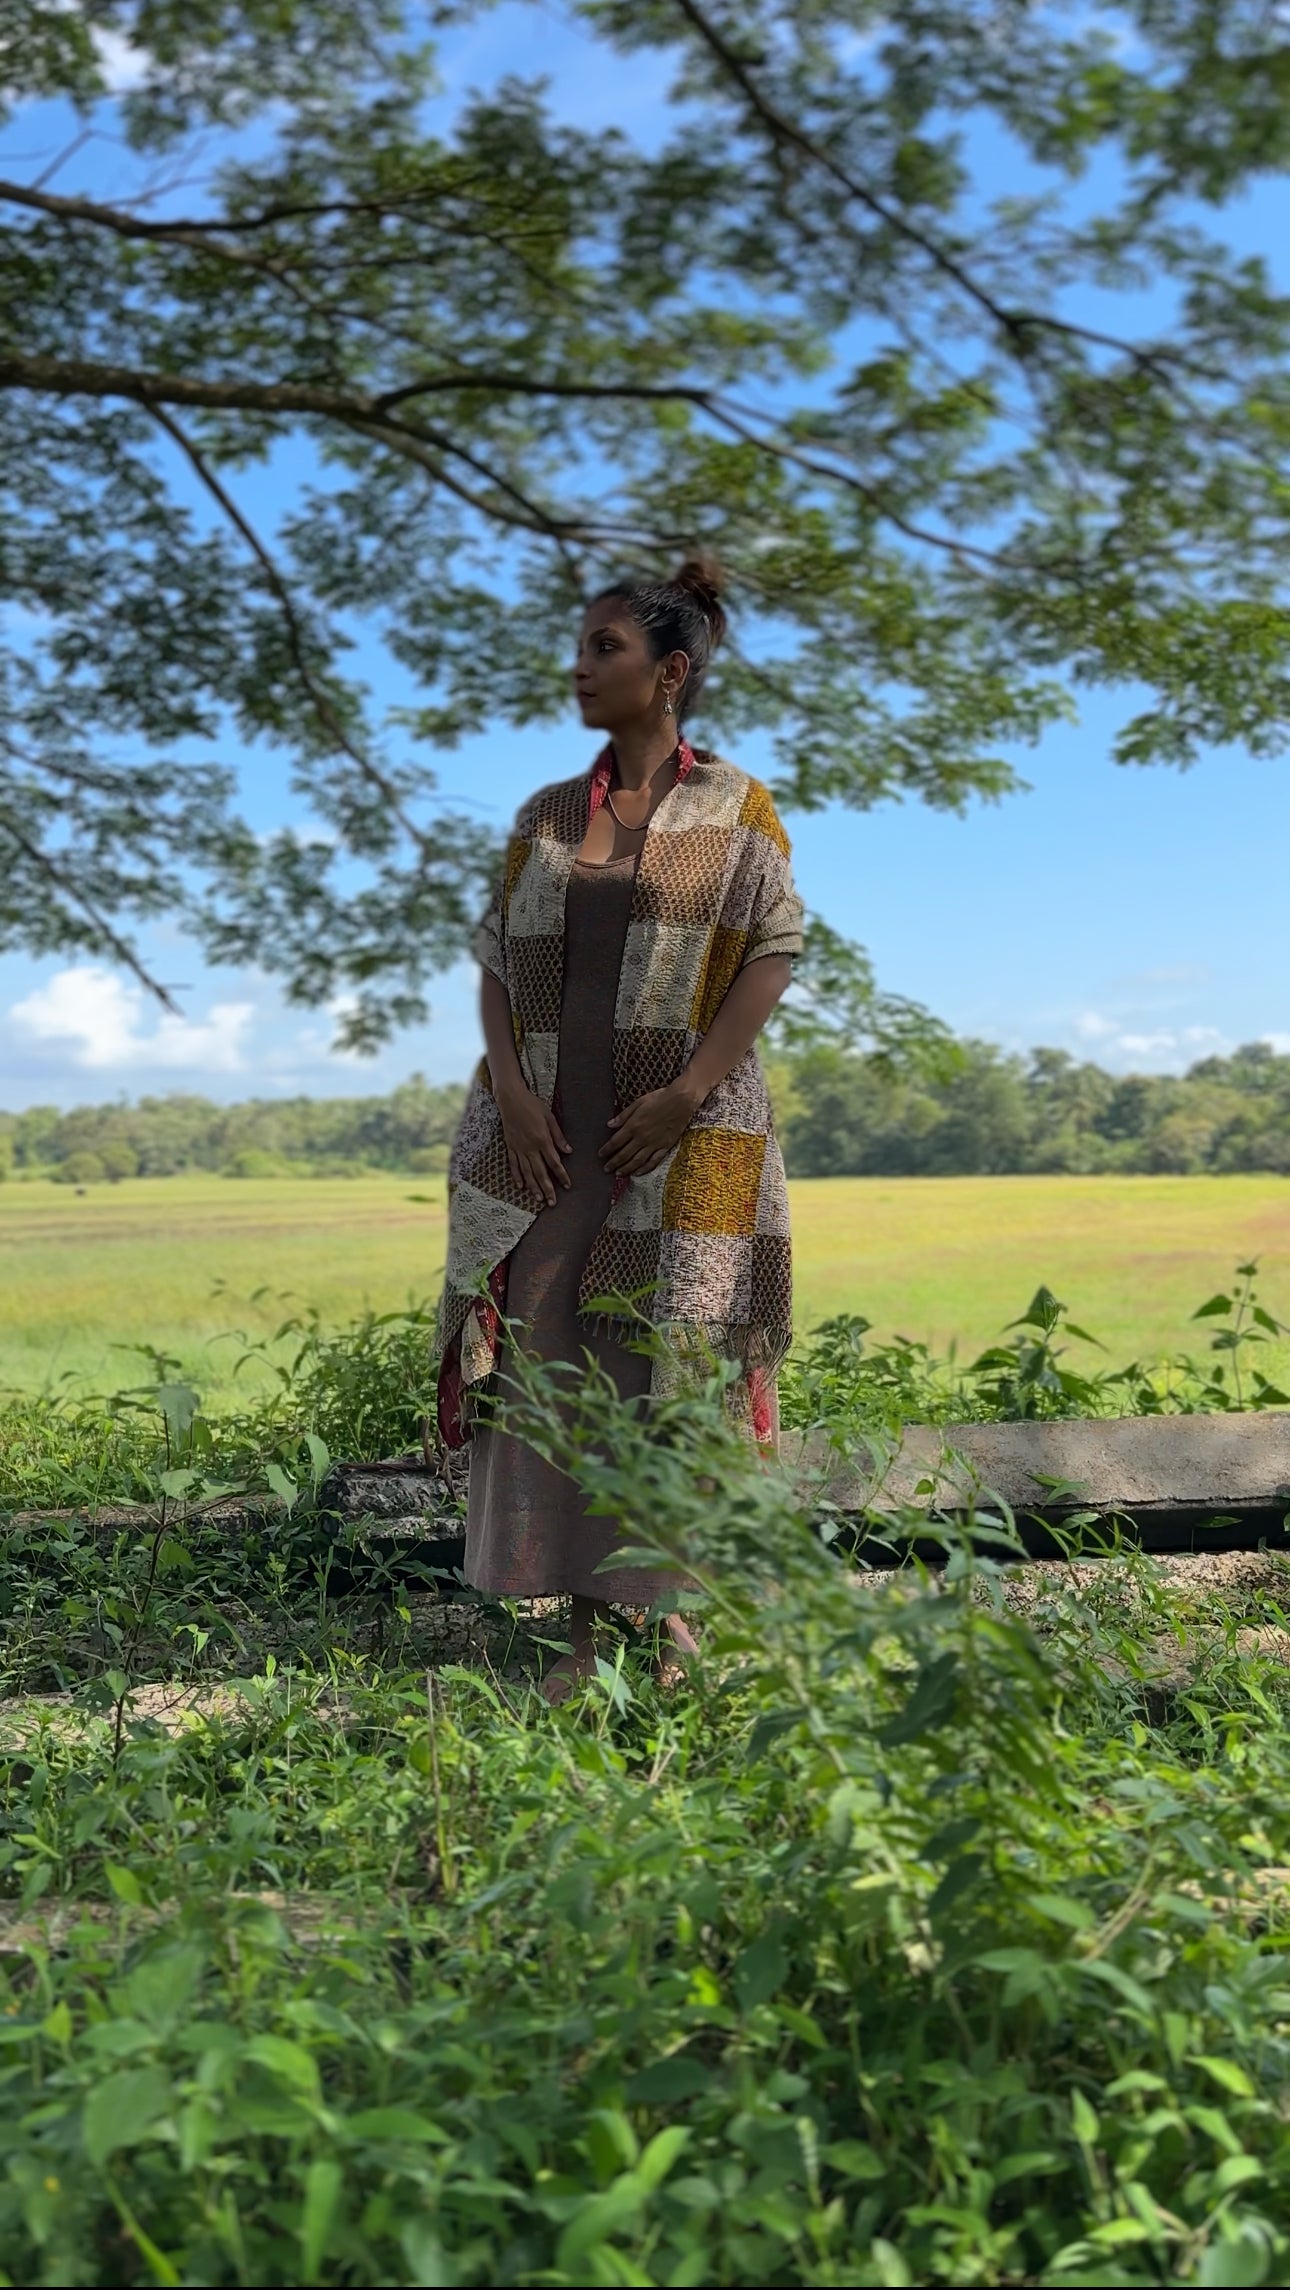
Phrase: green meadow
{"type": "Point", "coordinates": [183, 1263]}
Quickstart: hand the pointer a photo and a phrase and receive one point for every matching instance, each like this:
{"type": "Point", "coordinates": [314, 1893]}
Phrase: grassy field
{"type": "Point", "coordinates": [175, 1262]}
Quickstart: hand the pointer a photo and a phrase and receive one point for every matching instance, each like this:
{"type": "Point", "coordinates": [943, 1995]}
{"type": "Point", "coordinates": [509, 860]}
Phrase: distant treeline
{"type": "Point", "coordinates": [160, 1136]}
{"type": "Point", "coordinates": [990, 1113]}
{"type": "Point", "coordinates": [839, 1115]}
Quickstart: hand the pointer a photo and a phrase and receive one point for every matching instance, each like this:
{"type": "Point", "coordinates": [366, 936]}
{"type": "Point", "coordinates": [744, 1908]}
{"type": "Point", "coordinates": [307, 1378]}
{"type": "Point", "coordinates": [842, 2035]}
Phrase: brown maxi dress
{"type": "Point", "coordinates": [528, 1532]}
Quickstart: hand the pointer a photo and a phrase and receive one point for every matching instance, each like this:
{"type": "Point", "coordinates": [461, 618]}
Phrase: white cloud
{"type": "Point", "coordinates": [1119, 1037]}
{"type": "Point", "coordinates": [1147, 1045]}
{"type": "Point", "coordinates": [105, 1024]}
{"type": "Point", "coordinates": [1166, 1040]}
{"type": "Point", "coordinates": [121, 63]}
{"type": "Point", "coordinates": [1280, 1043]}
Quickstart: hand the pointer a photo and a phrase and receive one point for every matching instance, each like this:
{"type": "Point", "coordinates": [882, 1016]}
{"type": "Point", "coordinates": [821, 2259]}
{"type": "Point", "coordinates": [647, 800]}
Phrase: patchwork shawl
{"type": "Point", "coordinates": [699, 1245]}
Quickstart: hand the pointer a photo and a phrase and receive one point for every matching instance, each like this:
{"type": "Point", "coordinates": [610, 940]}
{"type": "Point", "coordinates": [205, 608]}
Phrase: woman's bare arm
{"type": "Point", "coordinates": [747, 1005]}
{"type": "Point", "coordinates": [504, 1066]}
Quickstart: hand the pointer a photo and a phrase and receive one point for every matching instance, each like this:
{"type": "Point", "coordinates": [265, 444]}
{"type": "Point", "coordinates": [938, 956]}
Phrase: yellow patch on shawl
{"type": "Point", "coordinates": [517, 859]}
{"type": "Point", "coordinates": [714, 1182]}
{"type": "Point", "coordinates": [758, 811]}
{"type": "Point", "coordinates": [720, 969]}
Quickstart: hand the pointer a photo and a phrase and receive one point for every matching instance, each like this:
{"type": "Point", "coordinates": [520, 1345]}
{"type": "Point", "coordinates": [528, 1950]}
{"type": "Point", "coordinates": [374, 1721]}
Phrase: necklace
{"type": "Point", "coordinates": [631, 827]}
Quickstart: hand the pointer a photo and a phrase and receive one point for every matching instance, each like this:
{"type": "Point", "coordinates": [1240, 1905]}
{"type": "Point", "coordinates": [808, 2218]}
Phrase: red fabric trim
{"type": "Point", "coordinates": [451, 1395]}
{"type": "Point", "coordinates": [602, 771]}
{"type": "Point", "coordinates": [763, 1421]}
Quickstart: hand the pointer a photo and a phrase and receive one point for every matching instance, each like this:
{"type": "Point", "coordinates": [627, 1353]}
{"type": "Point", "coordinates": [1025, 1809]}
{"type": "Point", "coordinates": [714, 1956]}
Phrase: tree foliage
{"type": "Point", "coordinates": [971, 1110]}
{"type": "Point", "coordinates": [989, 1113]}
{"type": "Point", "coordinates": [161, 1136]}
{"type": "Point", "coordinates": [961, 453]}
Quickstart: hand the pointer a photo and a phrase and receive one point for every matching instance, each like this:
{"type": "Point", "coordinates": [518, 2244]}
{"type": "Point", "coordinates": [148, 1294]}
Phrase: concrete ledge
{"type": "Point", "coordinates": [1178, 1482]}
{"type": "Point", "coordinates": [1166, 1476]}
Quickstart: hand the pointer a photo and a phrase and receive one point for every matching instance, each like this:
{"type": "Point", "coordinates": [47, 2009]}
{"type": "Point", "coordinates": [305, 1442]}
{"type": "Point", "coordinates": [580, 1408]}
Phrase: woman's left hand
{"type": "Point", "coordinates": [644, 1133]}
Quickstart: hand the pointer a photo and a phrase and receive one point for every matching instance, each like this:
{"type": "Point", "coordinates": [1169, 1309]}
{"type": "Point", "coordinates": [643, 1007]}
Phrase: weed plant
{"type": "Point", "coordinates": [914, 1940]}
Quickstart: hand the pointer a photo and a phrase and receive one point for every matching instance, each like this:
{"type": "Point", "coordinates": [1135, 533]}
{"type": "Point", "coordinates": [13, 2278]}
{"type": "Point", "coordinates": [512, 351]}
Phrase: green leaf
{"type": "Point", "coordinates": [179, 1404]}
{"type": "Point", "coordinates": [1084, 2122]}
{"type": "Point", "coordinates": [667, 2081]}
{"type": "Point", "coordinates": [601, 2216]}
{"type": "Point", "coordinates": [768, 1728]}
{"type": "Point", "coordinates": [1032, 2165]}
{"type": "Point", "coordinates": [931, 1703]}
{"type": "Point", "coordinates": [1216, 1306]}
{"type": "Point", "coordinates": [162, 1987]}
{"type": "Point", "coordinates": [287, 2062]}
{"type": "Point", "coordinates": [1043, 1312]}
{"type": "Point", "coordinates": [323, 2181]}
{"type": "Point", "coordinates": [1237, 2262]}
{"type": "Point", "coordinates": [125, 1884]}
{"type": "Point", "coordinates": [122, 2110]}
{"type": "Point", "coordinates": [1111, 1976]}
{"type": "Point", "coordinates": [661, 2154]}
{"type": "Point", "coordinates": [57, 2024]}
{"type": "Point", "coordinates": [1059, 1908]}
{"type": "Point", "coordinates": [319, 1458]}
{"type": "Point", "coordinates": [853, 2159]}
{"type": "Point", "coordinates": [958, 1879]}
{"type": "Point", "coordinates": [893, 2273]}
{"type": "Point", "coordinates": [1237, 2171]}
{"type": "Point", "coordinates": [1225, 2073]}
{"type": "Point", "coordinates": [760, 1971]}
{"type": "Point", "coordinates": [429, 2267]}
{"type": "Point", "coordinates": [393, 2123]}
{"type": "Point", "coordinates": [282, 1484]}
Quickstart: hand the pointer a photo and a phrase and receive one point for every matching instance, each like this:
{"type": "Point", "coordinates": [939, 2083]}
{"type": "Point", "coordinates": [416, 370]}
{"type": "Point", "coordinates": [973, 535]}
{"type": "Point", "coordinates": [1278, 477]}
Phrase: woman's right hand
{"type": "Point", "coordinates": [534, 1144]}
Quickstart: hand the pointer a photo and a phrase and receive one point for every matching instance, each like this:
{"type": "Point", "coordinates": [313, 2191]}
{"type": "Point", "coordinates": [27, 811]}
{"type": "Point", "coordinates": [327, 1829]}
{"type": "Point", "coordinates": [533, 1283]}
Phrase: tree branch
{"type": "Point", "coordinates": [319, 698]}
{"type": "Point", "coordinates": [120, 947]}
{"type": "Point", "coordinates": [785, 130]}
{"type": "Point", "coordinates": [128, 226]}
{"type": "Point", "coordinates": [198, 229]}
{"type": "Point", "coordinates": [1020, 326]}
{"type": "Point", "coordinates": [372, 416]}
{"type": "Point", "coordinates": [739, 426]}
{"type": "Point", "coordinates": [87, 377]}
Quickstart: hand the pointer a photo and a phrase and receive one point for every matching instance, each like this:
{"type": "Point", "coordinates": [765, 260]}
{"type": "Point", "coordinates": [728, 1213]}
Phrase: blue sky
{"type": "Point", "coordinates": [1132, 916]}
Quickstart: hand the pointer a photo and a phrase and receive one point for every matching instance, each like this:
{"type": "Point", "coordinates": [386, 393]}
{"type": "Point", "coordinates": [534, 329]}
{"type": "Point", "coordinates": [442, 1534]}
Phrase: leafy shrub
{"type": "Point", "coordinates": [836, 1379]}
{"type": "Point", "coordinates": [119, 1161]}
{"type": "Point", "coordinates": [902, 1951]}
{"type": "Point", "coordinates": [253, 1161]}
{"type": "Point", "coordinates": [79, 1169]}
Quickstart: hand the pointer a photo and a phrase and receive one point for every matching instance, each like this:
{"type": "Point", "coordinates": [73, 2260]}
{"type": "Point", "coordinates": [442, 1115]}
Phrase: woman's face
{"type": "Point", "coordinates": [616, 679]}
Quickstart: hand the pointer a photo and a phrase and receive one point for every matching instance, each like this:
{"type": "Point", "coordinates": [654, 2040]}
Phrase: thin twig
{"type": "Point", "coordinates": [121, 947]}
{"type": "Point", "coordinates": [318, 695]}
{"type": "Point", "coordinates": [1016, 324]}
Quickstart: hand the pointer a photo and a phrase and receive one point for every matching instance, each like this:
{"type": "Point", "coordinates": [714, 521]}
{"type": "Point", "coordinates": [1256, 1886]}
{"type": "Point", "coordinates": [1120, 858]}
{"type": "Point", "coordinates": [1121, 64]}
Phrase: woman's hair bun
{"type": "Point", "coordinates": [704, 580]}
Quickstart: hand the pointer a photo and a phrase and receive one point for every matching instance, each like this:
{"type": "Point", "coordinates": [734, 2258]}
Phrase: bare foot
{"type": "Point", "coordinates": [677, 1647]}
{"type": "Point", "coordinates": [571, 1670]}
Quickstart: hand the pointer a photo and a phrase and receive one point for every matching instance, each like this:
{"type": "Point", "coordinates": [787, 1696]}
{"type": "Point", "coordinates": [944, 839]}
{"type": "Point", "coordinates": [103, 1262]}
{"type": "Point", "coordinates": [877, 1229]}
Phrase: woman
{"type": "Point", "coordinates": [618, 1135]}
